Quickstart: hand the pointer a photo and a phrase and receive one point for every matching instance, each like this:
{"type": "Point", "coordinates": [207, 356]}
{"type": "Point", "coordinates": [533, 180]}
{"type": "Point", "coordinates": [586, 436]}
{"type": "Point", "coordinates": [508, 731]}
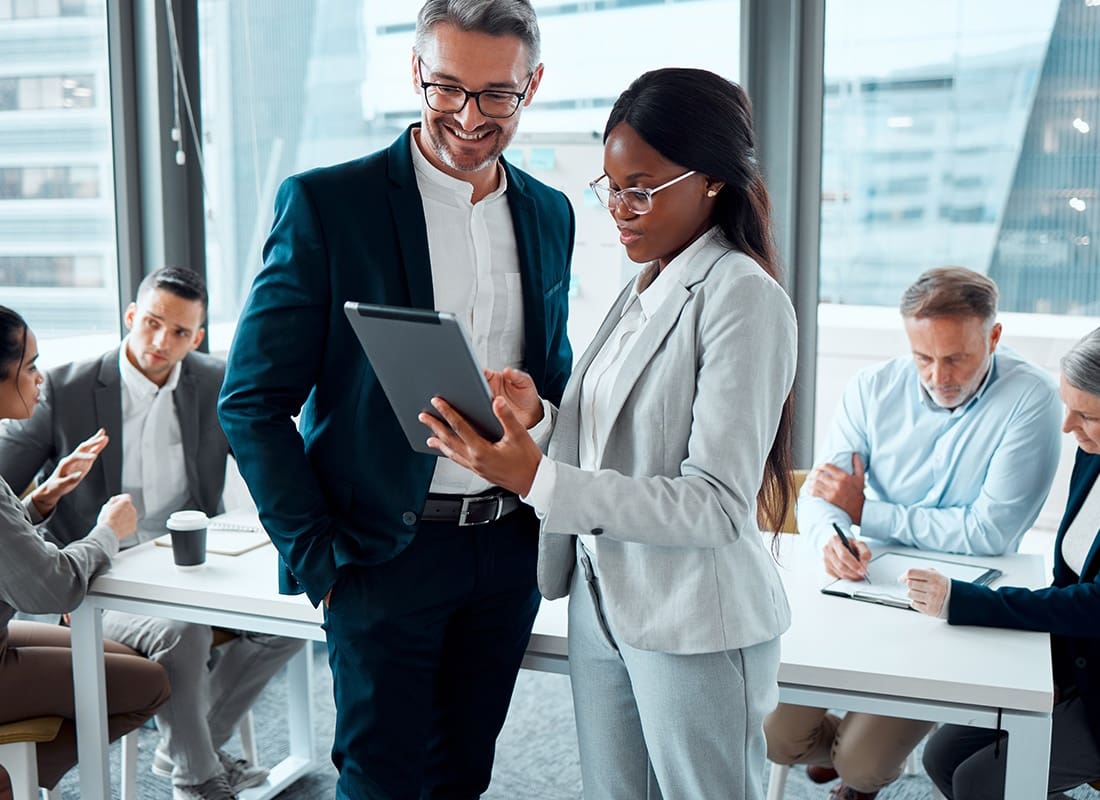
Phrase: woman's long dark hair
{"type": "Point", "coordinates": [13, 341]}
{"type": "Point", "coordinates": [703, 122]}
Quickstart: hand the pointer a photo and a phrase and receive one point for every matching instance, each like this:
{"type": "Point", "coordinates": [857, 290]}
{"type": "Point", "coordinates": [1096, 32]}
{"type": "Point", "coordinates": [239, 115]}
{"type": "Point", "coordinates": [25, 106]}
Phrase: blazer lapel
{"type": "Point", "coordinates": [525, 222]}
{"type": "Point", "coordinates": [565, 444]}
{"type": "Point", "coordinates": [108, 414]}
{"type": "Point", "coordinates": [649, 341]}
{"type": "Point", "coordinates": [409, 225]}
{"type": "Point", "coordinates": [187, 412]}
{"type": "Point", "coordinates": [1081, 488]}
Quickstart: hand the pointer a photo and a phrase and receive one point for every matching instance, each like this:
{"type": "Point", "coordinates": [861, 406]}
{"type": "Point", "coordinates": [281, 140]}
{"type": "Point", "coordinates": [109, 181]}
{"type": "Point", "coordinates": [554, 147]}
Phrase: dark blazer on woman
{"type": "Point", "coordinates": [1069, 609]}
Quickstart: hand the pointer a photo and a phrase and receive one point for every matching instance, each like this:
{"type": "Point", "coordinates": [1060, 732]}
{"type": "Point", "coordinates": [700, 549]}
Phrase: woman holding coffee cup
{"type": "Point", "coordinates": [36, 674]}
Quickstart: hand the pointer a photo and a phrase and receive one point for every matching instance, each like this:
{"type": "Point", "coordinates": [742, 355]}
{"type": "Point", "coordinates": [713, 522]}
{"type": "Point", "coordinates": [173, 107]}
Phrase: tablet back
{"type": "Point", "coordinates": [419, 354]}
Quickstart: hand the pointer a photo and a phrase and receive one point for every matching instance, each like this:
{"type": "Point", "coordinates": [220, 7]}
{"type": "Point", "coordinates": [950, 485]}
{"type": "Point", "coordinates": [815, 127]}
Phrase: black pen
{"type": "Point", "coordinates": [844, 540]}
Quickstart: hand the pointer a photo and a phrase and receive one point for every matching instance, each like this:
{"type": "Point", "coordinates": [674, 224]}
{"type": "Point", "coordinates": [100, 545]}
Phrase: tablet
{"type": "Point", "coordinates": [417, 355]}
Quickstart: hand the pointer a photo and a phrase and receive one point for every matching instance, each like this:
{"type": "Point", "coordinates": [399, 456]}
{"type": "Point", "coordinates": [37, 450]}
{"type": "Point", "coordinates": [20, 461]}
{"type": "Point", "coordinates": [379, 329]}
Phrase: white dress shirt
{"type": "Point", "coordinates": [475, 276]}
{"type": "Point", "coordinates": [651, 289]}
{"type": "Point", "coordinates": [1081, 533]}
{"type": "Point", "coordinates": [153, 471]}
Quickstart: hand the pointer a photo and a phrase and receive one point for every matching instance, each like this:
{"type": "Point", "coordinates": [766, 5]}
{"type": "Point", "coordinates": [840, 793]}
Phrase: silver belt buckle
{"type": "Point", "coordinates": [465, 510]}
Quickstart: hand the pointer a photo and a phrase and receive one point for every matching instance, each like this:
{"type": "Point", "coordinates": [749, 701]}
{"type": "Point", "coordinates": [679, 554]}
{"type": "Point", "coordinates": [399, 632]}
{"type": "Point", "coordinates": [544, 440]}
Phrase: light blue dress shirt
{"type": "Point", "coordinates": [970, 480]}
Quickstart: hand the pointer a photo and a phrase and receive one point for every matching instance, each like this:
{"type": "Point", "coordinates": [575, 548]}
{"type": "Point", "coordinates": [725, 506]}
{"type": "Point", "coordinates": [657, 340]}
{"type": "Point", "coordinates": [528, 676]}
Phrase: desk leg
{"type": "Point", "coordinates": [299, 692]}
{"type": "Point", "coordinates": [90, 694]}
{"type": "Point", "coordinates": [1028, 755]}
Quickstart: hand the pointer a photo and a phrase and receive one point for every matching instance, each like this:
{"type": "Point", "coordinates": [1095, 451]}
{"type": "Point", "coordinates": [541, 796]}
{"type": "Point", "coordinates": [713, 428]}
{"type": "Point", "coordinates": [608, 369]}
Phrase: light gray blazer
{"type": "Point", "coordinates": [683, 567]}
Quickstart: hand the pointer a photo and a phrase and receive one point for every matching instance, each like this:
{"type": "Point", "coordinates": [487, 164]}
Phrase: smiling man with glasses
{"type": "Point", "coordinates": [426, 571]}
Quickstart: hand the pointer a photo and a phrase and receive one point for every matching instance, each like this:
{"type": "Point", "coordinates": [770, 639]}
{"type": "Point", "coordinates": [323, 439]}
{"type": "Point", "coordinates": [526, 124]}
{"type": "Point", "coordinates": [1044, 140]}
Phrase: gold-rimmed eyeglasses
{"type": "Point", "coordinates": [449, 99]}
{"type": "Point", "coordinates": [636, 199]}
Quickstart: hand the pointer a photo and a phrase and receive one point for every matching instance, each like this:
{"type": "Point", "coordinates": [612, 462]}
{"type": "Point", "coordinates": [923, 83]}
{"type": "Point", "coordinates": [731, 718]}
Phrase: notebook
{"type": "Point", "coordinates": [230, 534]}
{"type": "Point", "coordinates": [884, 570]}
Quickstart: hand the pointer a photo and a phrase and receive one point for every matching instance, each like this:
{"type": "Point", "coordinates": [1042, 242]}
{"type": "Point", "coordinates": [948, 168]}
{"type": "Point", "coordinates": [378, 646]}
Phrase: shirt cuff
{"type": "Point", "coordinates": [32, 511]}
{"type": "Point", "coordinates": [542, 487]}
{"type": "Point", "coordinates": [544, 427]}
{"type": "Point", "coordinates": [946, 607]}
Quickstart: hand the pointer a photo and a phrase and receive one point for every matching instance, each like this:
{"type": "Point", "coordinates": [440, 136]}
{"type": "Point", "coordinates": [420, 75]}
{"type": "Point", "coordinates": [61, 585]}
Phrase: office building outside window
{"type": "Point", "coordinates": [963, 132]}
{"type": "Point", "coordinates": [58, 263]}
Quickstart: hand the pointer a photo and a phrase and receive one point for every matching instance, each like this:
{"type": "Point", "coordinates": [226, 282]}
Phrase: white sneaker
{"type": "Point", "coordinates": [241, 773]}
{"type": "Point", "coordinates": [217, 788]}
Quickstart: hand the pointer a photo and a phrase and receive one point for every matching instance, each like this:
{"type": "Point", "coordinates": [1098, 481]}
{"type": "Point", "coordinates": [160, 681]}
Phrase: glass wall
{"type": "Point", "coordinates": [958, 132]}
{"type": "Point", "coordinates": [292, 84]}
{"type": "Point", "coordinates": [57, 232]}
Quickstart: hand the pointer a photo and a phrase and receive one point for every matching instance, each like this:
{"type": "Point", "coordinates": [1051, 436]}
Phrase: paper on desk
{"type": "Point", "coordinates": [886, 569]}
{"type": "Point", "coordinates": [230, 534]}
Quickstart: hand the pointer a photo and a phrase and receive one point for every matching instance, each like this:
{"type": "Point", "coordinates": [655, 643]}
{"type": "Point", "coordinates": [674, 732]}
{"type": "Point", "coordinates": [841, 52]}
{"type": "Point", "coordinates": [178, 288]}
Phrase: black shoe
{"type": "Point", "coordinates": [845, 792]}
{"type": "Point", "coordinates": [819, 774]}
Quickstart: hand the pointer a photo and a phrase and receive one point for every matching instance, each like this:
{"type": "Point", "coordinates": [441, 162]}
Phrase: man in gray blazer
{"type": "Point", "coordinates": [142, 419]}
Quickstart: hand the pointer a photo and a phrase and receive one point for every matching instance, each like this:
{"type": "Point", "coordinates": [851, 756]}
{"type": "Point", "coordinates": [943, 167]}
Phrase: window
{"type": "Point", "coordinates": [48, 183]}
{"type": "Point", "coordinates": [958, 132]}
{"type": "Point", "coordinates": [288, 85]}
{"type": "Point", "coordinates": [1001, 95]}
{"type": "Point", "coordinates": [58, 264]}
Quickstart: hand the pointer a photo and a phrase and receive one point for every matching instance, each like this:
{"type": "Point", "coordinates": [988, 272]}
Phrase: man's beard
{"type": "Point", "coordinates": [440, 144]}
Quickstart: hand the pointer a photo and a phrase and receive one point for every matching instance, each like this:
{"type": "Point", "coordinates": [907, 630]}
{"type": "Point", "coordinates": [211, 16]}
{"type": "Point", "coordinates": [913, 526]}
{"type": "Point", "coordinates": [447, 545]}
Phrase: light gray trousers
{"type": "Point", "coordinates": [210, 694]}
{"type": "Point", "coordinates": [663, 726]}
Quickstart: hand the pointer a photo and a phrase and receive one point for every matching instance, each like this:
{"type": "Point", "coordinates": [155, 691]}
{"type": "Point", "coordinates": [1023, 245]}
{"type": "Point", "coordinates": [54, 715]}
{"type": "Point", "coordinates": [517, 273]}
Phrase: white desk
{"type": "Point", "coordinates": [238, 592]}
{"type": "Point", "coordinates": [858, 656]}
{"type": "Point", "coordinates": [839, 653]}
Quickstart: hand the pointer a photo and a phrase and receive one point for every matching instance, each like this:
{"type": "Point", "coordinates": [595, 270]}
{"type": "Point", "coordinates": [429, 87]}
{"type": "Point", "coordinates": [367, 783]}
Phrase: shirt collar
{"type": "Point", "coordinates": [653, 286]}
{"type": "Point", "coordinates": [440, 185]}
{"type": "Point", "coordinates": [927, 401]}
{"type": "Point", "coordinates": [136, 382]}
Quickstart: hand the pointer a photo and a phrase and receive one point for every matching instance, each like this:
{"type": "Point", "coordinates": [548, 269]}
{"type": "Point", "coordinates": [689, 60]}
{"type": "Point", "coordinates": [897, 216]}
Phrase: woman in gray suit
{"type": "Point", "coordinates": [36, 670]}
{"type": "Point", "coordinates": [669, 453]}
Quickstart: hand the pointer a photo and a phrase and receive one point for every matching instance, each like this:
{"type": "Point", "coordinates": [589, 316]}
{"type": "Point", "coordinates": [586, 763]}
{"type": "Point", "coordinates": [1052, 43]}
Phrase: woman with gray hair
{"type": "Point", "coordinates": [964, 762]}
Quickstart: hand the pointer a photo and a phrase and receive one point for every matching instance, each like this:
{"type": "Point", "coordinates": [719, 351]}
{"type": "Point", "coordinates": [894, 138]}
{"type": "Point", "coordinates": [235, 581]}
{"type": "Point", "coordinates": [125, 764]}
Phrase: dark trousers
{"type": "Point", "coordinates": [966, 763]}
{"type": "Point", "coordinates": [424, 651]}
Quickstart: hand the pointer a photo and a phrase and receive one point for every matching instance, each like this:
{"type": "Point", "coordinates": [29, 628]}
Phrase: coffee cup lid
{"type": "Point", "coordinates": [187, 520]}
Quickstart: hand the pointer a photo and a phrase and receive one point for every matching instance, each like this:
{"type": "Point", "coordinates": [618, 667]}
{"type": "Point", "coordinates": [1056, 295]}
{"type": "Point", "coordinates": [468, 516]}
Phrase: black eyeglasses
{"type": "Point", "coordinates": [448, 99]}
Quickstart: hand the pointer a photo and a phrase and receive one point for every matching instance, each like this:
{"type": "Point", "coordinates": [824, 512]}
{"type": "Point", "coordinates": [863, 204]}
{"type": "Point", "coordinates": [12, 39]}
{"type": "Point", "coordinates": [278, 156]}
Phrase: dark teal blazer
{"type": "Point", "coordinates": [344, 487]}
{"type": "Point", "coordinates": [1069, 609]}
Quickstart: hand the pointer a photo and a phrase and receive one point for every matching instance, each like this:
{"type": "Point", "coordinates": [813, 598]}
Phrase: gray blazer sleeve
{"type": "Point", "coordinates": [36, 576]}
{"type": "Point", "coordinates": [724, 385]}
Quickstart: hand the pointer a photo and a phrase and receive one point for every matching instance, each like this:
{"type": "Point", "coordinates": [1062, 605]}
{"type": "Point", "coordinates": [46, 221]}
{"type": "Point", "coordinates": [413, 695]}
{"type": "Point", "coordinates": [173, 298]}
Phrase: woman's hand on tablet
{"type": "Point", "coordinates": [518, 389]}
{"type": "Point", "coordinates": [510, 463]}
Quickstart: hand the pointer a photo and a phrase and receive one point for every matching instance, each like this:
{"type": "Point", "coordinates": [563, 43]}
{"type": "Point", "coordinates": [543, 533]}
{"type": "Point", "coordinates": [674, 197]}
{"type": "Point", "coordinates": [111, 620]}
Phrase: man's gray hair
{"type": "Point", "coordinates": [1081, 365]}
{"type": "Point", "coordinates": [492, 17]}
{"type": "Point", "coordinates": [951, 292]}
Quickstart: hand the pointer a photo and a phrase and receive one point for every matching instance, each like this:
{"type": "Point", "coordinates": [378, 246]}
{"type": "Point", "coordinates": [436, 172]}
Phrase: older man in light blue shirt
{"type": "Point", "coordinates": [969, 479]}
{"type": "Point", "coordinates": [952, 448]}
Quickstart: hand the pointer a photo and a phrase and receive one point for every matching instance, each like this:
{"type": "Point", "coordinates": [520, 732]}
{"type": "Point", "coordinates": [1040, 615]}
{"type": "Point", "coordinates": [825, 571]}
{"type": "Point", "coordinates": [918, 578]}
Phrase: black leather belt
{"type": "Point", "coordinates": [476, 509]}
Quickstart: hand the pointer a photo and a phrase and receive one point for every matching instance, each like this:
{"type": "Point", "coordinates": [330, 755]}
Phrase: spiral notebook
{"type": "Point", "coordinates": [230, 534]}
{"type": "Point", "coordinates": [884, 570]}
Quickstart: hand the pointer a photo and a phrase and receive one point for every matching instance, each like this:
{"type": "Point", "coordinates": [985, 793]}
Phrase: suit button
{"type": "Point", "coordinates": [409, 518]}
{"type": "Point", "coordinates": [596, 531]}
{"type": "Point", "coordinates": [1080, 662]}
